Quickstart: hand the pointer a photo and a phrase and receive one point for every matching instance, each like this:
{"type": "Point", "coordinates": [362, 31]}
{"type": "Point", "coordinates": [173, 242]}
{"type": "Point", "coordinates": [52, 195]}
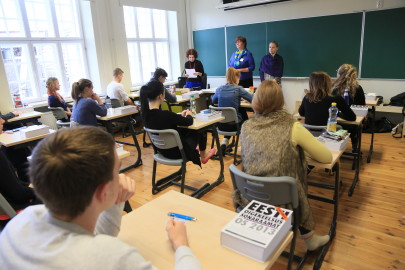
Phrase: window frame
{"type": "Point", "coordinates": [30, 42]}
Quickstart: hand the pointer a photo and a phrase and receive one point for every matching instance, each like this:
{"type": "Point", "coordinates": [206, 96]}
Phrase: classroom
{"type": "Point", "coordinates": [367, 236]}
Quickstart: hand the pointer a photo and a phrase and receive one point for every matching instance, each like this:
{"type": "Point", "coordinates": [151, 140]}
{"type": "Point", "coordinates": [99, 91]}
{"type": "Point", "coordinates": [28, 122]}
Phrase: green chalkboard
{"type": "Point", "coordinates": [317, 44]}
{"type": "Point", "coordinates": [255, 35]}
{"type": "Point", "coordinates": [210, 45]}
{"type": "Point", "coordinates": [384, 44]}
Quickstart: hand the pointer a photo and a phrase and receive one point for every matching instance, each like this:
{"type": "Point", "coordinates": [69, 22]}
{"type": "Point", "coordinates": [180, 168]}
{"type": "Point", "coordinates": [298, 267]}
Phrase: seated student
{"type": "Point", "coordinates": [152, 96]}
{"type": "Point", "coordinates": [160, 75]}
{"type": "Point", "coordinates": [84, 196]}
{"type": "Point", "coordinates": [273, 144]}
{"type": "Point", "coordinates": [87, 103]}
{"type": "Point", "coordinates": [347, 79]}
{"type": "Point", "coordinates": [229, 95]}
{"type": "Point", "coordinates": [116, 90]}
{"type": "Point", "coordinates": [19, 196]}
{"type": "Point", "coordinates": [54, 98]}
{"type": "Point", "coordinates": [317, 101]}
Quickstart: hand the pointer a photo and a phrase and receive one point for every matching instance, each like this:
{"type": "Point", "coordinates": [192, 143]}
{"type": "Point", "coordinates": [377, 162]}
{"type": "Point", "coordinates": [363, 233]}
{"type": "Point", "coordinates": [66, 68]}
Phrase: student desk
{"type": "Point", "coordinates": [144, 228]}
{"type": "Point", "coordinates": [15, 139]}
{"type": "Point", "coordinates": [357, 155]}
{"type": "Point", "coordinates": [332, 166]}
{"type": "Point", "coordinates": [201, 126]}
{"type": "Point", "coordinates": [26, 118]}
{"type": "Point", "coordinates": [126, 117]}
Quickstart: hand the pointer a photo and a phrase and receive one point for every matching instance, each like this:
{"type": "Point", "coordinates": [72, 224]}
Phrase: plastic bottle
{"type": "Point", "coordinates": [332, 120]}
{"type": "Point", "coordinates": [346, 96]}
{"type": "Point", "coordinates": [108, 102]}
{"type": "Point", "coordinates": [193, 105]}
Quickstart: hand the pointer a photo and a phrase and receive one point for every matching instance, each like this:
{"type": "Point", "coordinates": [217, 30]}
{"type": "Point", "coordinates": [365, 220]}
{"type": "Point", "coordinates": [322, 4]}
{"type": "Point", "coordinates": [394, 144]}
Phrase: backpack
{"type": "Point", "coordinates": [398, 100]}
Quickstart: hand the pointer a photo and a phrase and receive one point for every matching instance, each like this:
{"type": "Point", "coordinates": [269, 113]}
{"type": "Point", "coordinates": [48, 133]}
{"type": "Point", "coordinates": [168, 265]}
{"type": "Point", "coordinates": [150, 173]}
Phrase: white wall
{"type": "Point", "coordinates": [205, 15]}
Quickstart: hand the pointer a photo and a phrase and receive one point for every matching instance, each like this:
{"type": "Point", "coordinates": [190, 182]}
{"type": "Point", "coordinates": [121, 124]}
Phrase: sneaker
{"type": "Point", "coordinates": [223, 149]}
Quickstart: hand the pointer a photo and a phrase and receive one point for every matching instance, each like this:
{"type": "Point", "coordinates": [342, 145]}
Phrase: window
{"type": "Point", "coordinates": [41, 39]}
{"type": "Point", "coordinates": [148, 42]}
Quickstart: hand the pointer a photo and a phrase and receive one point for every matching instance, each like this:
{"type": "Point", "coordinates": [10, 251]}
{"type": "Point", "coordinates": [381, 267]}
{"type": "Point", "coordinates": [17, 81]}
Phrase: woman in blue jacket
{"type": "Point", "coordinates": [243, 61]}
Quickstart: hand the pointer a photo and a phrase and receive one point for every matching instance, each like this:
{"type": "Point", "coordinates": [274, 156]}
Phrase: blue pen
{"type": "Point", "coordinates": [171, 214]}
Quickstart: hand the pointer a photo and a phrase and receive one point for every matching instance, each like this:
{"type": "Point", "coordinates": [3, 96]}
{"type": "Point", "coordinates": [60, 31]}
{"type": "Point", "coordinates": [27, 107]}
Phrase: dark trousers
{"type": "Point", "coordinates": [246, 83]}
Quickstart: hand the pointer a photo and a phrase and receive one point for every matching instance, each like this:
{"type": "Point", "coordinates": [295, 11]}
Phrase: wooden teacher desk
{"type": "Point", "coordinates": [144, 228]}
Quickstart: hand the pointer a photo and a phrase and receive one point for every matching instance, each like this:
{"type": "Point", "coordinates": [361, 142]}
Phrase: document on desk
{"type": "Point", "coordinates": [191, 72]}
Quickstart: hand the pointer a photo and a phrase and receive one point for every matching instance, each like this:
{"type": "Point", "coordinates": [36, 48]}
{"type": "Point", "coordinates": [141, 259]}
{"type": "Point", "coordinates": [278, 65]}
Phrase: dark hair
{"type": "Point", "coordinates": [320, 85]}
{"type": "Point", "coordinates": [78, 88]}
{"type": "Point", "coordinates": [149, 92]}
{"type": "Point", "coordinates": [159, 72]}
{"type": "Point", "coordinates": [117, 72]}
{"type": "Point", "coordinates": [243, 39]}
{"type": "Point", "coordinates": [275, 42]}
{"type": "Point", "coordinates": [66, 171]}
{"type": "Point", "coordinates": [192, 52]}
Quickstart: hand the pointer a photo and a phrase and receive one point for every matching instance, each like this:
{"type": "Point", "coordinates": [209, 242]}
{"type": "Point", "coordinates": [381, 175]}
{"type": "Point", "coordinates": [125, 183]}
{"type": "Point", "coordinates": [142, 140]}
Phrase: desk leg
{"type": "Point", "coordinates": [357, 158]}
{"type": "Point", "coordinates": [199, 193]}
{"type": "Point", "coordinates": [370, 152]}
{"type": "Point", "coordinates": [138, 161]}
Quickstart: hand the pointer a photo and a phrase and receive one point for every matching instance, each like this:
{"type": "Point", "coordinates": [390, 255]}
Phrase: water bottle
{"type": "Point", "coordinates": [346, 96]}
{"type": "Point", "coordinates": [108, 102]}
{"type": "Point", "coordinates": [332, 120]}
{"type": "Point", "coordinates": [193, 105]}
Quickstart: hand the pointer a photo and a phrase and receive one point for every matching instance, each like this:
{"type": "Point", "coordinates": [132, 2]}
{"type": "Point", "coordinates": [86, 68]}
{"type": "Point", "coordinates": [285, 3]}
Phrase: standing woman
{"type": "Point", "coordinates": [87, 103]}
{"type": "Point", "coordinates": [54, 98]}
{"type": "Point", "coordinates": [273, 144]}
{"type": "Point", "coordinates": [347, 79]}
{"type": "Point", "coordinates": [243, 60]}
{"type": "Point", "coordinates": [272, 65]}
{"type": "Point", "coordinates": [193, 63]}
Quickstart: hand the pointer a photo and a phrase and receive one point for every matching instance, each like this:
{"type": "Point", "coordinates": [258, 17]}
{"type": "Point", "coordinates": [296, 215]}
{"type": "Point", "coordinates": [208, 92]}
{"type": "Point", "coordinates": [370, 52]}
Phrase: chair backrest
{"type": "Point", "coordinates": [115, 103]}
{"type": "Point", "coordinates": [6, 208]}
{"type": "Point", "coordinates": [73, 123]}
{"type": "Point", "coordinates": [271, 190]}
{"type": "Point", "coordinates": [59, 113]}
{"type": "Point", "coordinates": [204, 81]}
{"type": "Point", "coordinates": [182, 82]}
{"type": "Point", "coordinates": [165, 138]}
{"type": "Point", "coordinates": [228, 112]}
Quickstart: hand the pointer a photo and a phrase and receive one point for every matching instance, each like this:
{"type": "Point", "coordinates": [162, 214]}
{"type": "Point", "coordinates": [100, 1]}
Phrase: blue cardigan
{"type": "Point", "coordinates": [246, 61]}
{"type": "Point", "coordinates": [85, 111]}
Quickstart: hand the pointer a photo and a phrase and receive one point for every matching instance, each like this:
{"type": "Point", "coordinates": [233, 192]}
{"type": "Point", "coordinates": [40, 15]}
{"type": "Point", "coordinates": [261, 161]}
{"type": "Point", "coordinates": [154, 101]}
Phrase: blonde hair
{"type": "Point", "coordinates": [268, 98]}
{"type": "Point", "coordinates": [232, 76]}
{"type": "Point", "coordinates": [320, 85]}
{"type": "Point", "coordinates": [347, 80]}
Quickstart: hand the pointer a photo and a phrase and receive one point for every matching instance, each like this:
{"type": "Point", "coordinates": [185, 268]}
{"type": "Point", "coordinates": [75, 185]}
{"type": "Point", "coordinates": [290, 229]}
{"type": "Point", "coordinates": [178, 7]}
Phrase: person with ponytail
{"type": "Point", "coordinates": [152, 96]}
{"type": "Point", "coordinates": [347, 79]}
{"type": "Point", "coordinates": [87, 103]}
{"type": "Point", "coordinates": [54, 98]}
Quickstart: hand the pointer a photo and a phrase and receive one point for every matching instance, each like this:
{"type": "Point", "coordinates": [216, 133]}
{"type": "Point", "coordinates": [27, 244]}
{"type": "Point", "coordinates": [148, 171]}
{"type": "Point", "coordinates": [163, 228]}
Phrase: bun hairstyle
{"type": "Point", "coordinates": [149, 92]}
{"type": "Point", "coordinates": [78, 88]}
{"type": "Point", "coordinates": [268, 98]}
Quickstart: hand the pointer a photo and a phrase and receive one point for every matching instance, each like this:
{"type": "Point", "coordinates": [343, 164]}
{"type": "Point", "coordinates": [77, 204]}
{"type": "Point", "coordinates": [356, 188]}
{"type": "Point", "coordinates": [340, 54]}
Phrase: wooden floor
{"type": "Point", "coordinates": [371, 228]}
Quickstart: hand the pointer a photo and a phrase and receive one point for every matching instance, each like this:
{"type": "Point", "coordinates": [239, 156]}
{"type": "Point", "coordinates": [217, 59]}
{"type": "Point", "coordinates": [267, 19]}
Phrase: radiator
{"type": "Point", "coordinates": [49, 120]}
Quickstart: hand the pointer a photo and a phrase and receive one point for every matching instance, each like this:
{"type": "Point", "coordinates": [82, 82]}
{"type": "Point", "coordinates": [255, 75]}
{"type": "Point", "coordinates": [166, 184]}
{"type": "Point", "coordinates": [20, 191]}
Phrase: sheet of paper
{"type": "Point", "coordinates": [191, 72]}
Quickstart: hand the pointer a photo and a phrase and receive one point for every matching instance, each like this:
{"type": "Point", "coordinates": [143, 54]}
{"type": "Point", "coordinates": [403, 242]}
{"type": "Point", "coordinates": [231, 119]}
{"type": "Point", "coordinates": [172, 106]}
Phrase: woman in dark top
{"type": "Point", "coordinates": [317, 101]}
{"type": "Point", "coordinates": [54, 98]}
{"type": "Point", "coordinates": [347, 79]}
{"type": "Point", "coordinates": [19, 196]}
{"type": "Point", "coordinates": [193, 63]}
{"type": "Point", "coordinates": [152, 96]}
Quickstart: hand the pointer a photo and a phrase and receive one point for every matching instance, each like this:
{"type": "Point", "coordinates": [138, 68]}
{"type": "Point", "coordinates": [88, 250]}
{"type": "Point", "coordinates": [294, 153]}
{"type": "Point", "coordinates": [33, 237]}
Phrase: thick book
{"type": "Point", "coordinates": [257, 230]}
{"type": "Point", "coordinates": [33, 131]}
{"type": "Point", "coordinates": [125, 109]}
{"type": "Point", "coordinates": [208, 116]}
{"type": "Point", "coordinates": [359, 110]}
{"type": "Point", "coordinates": [337, 143]}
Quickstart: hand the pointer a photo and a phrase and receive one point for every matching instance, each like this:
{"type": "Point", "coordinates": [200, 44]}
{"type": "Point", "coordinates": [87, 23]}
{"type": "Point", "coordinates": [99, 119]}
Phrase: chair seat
{"type": "Point", "coordinates": [227, 133]}
{"type": "Point", "coordinates": [60, 123]}
{"type": "Point", "coordinates": [167, 161]}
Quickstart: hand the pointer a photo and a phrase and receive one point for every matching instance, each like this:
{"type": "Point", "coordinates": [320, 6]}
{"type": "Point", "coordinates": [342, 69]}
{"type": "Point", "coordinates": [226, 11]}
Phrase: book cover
{"type": "Point", "coordinates": [257, 230]}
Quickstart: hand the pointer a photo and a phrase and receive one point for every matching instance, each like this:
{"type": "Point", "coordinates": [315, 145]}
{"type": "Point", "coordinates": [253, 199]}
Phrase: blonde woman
{"type": "Point", "coordinates": [273, 144]}
{"type": "Point", "coordinates": [54, 98]}
{"type": "Point", "coordinates": [347, 79]}
{"type": "Point", "coordinates": [229, 95]}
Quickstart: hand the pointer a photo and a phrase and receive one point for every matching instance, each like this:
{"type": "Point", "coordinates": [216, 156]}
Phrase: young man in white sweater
{"type": "Point", "coordinates": [76, 174]}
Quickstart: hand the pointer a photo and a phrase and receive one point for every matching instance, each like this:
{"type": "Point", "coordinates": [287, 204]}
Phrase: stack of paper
{"type": "Point", "coordinates": [33, 131]}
